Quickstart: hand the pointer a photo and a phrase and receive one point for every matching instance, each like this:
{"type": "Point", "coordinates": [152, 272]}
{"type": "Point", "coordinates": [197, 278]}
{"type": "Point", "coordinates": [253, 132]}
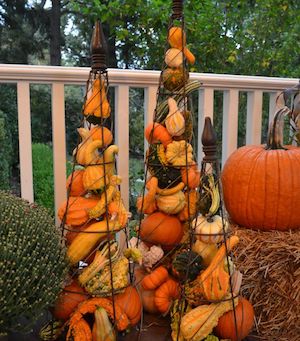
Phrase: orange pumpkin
{"type": "Point", "coordinates": [155, 278]}
{"type": "Point", "coordinates": [261, 184]}
{"type": "Point", "coordinates": [165, 295]}
{"type": "Point", "coordinates": [244, 313]}
{"type": "Point", "coordinates": [156, 132]}
{"type": "Point", "coordinates": [130, 303]}
{"type": "Point", "coordinates": [68, 301]}
{"type": "Point", "coordinates": [76, 188]}
{"type": "Point", "coordinates": [191, 175]}
{"type": "Point", "coordinates": [161, 228]}
{"type": "Point", "coordinates": [77, 210]}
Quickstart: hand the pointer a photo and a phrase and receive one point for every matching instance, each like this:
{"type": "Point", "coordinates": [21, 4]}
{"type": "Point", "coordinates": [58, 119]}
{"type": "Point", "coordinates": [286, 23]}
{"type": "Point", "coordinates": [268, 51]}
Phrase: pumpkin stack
{"type": "Point", "coordinates": [91, 216]}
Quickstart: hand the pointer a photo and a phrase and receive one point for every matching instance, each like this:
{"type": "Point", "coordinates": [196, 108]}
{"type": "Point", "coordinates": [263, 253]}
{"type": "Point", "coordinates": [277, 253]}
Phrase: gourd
{"type": "Point", "coordinates": [102, 327]}
{"type": "Point", "coordinates": [97, 104]}
{"type": "Point", "coordinates": [68, 300]}
{"type": "Point", "coordinates": [160, 228]}
{"type": "Point", "coordinates": [74, 183]}
{"type": "Point", "coordinates": [174, 58]}
{"type": "Point", "coordinates": [227, 325]}
{"type": "Point", "coordinates": [191, 175]}
{"type": "Point", "coordinates": [187, 265]}
{"type": "Point", "coordinates": [174, 122]}
{"type": "Point", "coordinates": [155, 278]}
{"type": "Point", "coordinates": [79, 151]}
{"type": "Point", "coordinates": [179, 153]}
{"type": "Point", "coordinates": [200, 321]}
{"type": "Point", "coordinates": [174, 78]}
{"type": "Point", "coordinates": [147, 204]}
{"type": "Point", "coordinates": [206, 251]}
{"type": "Point", "coordinates": [80, 331]}
{"type": "Point", "coordinates": [169, 191]}
{"type": "Point", "coordinates": [101, 133]}
{"type": "Point", "coordinates": [73, 231]}
{"type": "Point", "coordinates": [177, 39]}
{"type": "Point", "coordinates": [190, 207]}
{"type": "Point", "coordinates": [156, 132]}
{"type": "Point", "coordinates": [171, 204]}
{"type": "Point", "coordinates": [77, 210]}
{"type": "Point", "coordinates": [166, 294]}
{"type": "Point", "coordinates": [210, 230]}
{"type": "Point", "coordinates": [261, 183]}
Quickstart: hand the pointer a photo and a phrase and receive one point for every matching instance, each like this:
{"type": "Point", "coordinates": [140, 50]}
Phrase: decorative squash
{"type": "Point", "coordinates": [155, 278]}
{"type": "Point", "coordinates": [167, 176]}
{"type": "Point", "coordinates": [177, 39]}
{"type": "Point", "coordinates": [179, 309]}
{"type": "Point", "coordinates": [244, 314]}
{"type": "Point", "coordinates": [79, 151]}
{"type": "Point", "coordinates": [103, 134]}
{"type": "Point", "coordinates": [156, 132]}
{"type": "Point", "coordinates": [75, 184]}
{"type": "Point", "coordinates": [179, 153]}
{"type": "Point", "coordinates": [68, 301]}
{"type": "Point", "coordinates": [160, 228]}
{"type": "Point", "coordinates": [187, 265]}
{"type": "Point", "coordinates": [171, 204]}
{"type": "Point", "coordinates": [130, 303]}
{"type": "Point", "coordinates": [174, 58]}
{"type": "Point", "coordinates": [174, 78]}
{"type": "Point", "coordinates": [102, 327]}
{"type": "Point", "coordinates": [210, 230]}
{"type": "Point", "coordinates": [74, 231]}
{"type": "Point", "coordinates": [77, 210]}
{"type": "Point", "coordinates": [190, 208]}
{"type": "Point", "coordinates": [191, 175]}
{"type": "Point", "coordinates": [174, 122]}
{"type": "Point", "coordinates": [166, 294]}
{"type": "Point", "coordinates": [261, 183]}
{"type": "Point", "coordinates": [80, 331]}
{"type": "Point", "coordinates": [206, 251]}
{"type": "Point", "coordinates": [147, 204]}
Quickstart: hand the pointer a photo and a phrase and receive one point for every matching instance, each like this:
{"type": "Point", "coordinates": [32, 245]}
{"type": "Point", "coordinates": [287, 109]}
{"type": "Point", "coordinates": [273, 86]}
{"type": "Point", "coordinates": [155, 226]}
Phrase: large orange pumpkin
{"type": "Point", "coordinates": [68, 300]}
{"type": "Point", "coordinates": [227, 328]}
{"type": "Point", "coordinates": [161, 228]}
{"type": "Point", "coordinates": [261, 184]}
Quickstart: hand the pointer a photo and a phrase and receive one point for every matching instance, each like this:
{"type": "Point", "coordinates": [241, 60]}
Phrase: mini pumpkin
{"type": "Point", "coordinates": [210, 230]}
{"type": "Point", "coordinates": [155, 278]}
{"type": "Point", "coordinates": [171, 204]}
{"type": "Point", "coordinates": [179, 153]}
{"type": "Point", "coordinates": [166, 294]}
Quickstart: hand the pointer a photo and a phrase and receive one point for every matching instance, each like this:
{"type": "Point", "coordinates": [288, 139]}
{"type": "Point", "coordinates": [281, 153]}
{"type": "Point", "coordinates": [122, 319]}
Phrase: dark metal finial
{"type": "Point", "coordinates": [209, 141]}
{"type": "Point", "coordinates": [98, 48]}
{"type": "Point", "coordinates": [177, 9]}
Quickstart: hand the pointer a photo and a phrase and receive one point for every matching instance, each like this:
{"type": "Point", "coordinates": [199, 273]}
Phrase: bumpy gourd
{"type": "Point", "coordinates": [179, 153]}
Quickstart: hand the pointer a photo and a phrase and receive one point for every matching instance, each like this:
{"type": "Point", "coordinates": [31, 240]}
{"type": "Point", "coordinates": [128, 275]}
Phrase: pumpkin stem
{"type": "Point", "coordinates": [275, 134]}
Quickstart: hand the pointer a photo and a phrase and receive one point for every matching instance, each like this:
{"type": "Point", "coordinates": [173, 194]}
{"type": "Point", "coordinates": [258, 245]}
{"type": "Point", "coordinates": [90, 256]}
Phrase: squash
{"type": "Point", "coordinates": [147, 204]}
{"type": "Point", "coordinates": [97, 104]}
{"type": "Point", "coordinates": [155, 278]}
{"type": "Point", "coordinates": [190, 207]}
{"type": "Point", "coordinates": [188, 132]}
{"type": "Point", "coordinates": [102, 327]}
{"type": "Point", "coordinates": [206, 251]}
{"type": "Point", "coordinates": [171, 204]}
{"type": "Point", "coordinates": [174, 78]}
{"type": "Point", "coordinates": [156, 132]}
{"type": "Point", "coordinates": [172, 190]}
{"type": "Point", "coordinates": [74, 231]}
{"type": "Point", "coordinates": [74, 183]}
{"type": "Point", "coordinates": [80, 331]}
{"type": "Point", "coordinates": [199, 322]}
{"type": "Point", "coordinates": [187, 265]}
{"type": "Point", "coordinates": [177, 39]}
{"type": "Point", "coordinates": [68, 300]}
{"type": "Point", "coordinates": [174, 122]}
{"type": "Point", "coordinates": [261, 183]}
{"type": "Point", "coordinates": [174, 58]}
{"type": "Point", "coordinates": [179, 309]}
{"type": "Point", "coordinates": [210, 230]}
{"type": "Point", "coordinates": [160, 228]}
{"type": "Point", "coordinates": [179, 153]}
{"type": "Point", "coordinates": [103, 134]}
{"type": "Point", "coordinates": [166, 294]}
{"type": "Point", "coordinates": [191, 175]}
{"type": "Point", "coordinates": [227, 325]}
{"type": "Point", "coordinates": [75, 210]}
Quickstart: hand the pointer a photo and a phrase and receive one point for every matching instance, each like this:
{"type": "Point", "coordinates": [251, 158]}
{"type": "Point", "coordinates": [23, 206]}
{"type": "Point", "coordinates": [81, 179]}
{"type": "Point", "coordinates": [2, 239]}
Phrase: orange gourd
{"type": "Point", "coordinates": [80, 331]}
{"type": "Point", "coordinates": [177, 39]}
{"type": "Point", "coordinates": [103, 134]}
{"type": "Point", "coordinates": [74, 231]}
{"type": "Point", "coordinates": [191, 176]}
{"type": "Point", "coordinates": [166, 294]}
{"type": "Point", "coordinates": [261, 183]}
{"type": "Point", "coordinates": [227, 327]}
{"type": "Point", "coordinates": [190, 208]}
{"type": "Point", "coordinates": [155, 278]}
{"type": "Point", "coordinates": [156, 132]}
{"type": "Point", "coordinates": [148, 203]}
{"type": "Point", "coordinates": [77, 210]}
{"type": "Point", "coordinates": [161, 228]}
{"type": "Point", "coordinates": [75, 188]}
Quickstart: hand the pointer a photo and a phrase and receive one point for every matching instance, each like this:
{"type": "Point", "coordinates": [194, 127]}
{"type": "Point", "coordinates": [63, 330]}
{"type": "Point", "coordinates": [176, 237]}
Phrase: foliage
{"type": "Point", "coordinates": [33, 263]}
{"type": "Point", "coordinates": [5, 153]}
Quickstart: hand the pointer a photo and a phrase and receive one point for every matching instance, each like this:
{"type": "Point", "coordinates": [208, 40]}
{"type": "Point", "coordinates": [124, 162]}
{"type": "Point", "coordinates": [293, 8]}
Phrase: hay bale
{"type": "Point", "coordinates": [270, 263]}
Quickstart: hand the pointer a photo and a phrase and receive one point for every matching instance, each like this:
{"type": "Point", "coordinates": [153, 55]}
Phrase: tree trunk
{"type": "Point", "coordinates": [55, 34]}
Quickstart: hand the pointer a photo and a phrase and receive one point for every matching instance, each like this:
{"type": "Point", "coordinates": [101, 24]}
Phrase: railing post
{"type": "Point", "coordinates": [254, 113]}
{"type": "Point", "coordinates": [150, 94]}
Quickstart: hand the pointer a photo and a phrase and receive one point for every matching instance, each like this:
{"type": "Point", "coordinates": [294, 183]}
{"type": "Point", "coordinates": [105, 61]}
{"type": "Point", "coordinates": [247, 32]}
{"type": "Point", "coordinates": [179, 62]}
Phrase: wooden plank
{"type": "Point", "coordinates": [122, 138]}
{"type": "Point", "coordinates": [254, 117]}
{"type": "Point", "coordinates": [25, 147]}
{"type": "Point", "coordinates": [205, 109]}
{"type": "Point", "coordinates": [150, 95]}
{"type": "Point", "coordinates": [230, 123]}
{"type": "Point", "coordinates": [59, 145]}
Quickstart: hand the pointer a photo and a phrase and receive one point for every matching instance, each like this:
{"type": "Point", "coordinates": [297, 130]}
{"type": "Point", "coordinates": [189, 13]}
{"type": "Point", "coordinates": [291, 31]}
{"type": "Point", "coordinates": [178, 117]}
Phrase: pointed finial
{"type": "Point", "coordinates": [177, 9]}
{"type": "Point", "coordinates": [98, 48]}
{"type": "Point", "coordinates": [209, 141]}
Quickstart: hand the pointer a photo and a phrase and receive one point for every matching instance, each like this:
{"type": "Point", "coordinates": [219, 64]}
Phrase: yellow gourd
{"type": "Point", "coordinates": [179, 153]}
{"type": "Point", "coordinates": [174, 58]}
{"type": "Point", "coordinates": [175, 122]}
{"type": "Point", "coordinates": [171, 204]}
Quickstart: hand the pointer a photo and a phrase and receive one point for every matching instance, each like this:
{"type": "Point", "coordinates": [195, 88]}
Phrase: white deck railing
{"type": "Point", "coordinates": [122, 80]}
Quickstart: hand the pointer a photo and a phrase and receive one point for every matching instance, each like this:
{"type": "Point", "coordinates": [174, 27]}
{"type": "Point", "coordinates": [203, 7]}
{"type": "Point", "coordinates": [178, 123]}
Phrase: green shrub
{"type": "Point", "coordinates": [5, 153]}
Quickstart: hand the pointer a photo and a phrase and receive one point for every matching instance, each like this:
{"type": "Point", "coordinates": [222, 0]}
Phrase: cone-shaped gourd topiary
{"type": "Point", "coordinates": [33, 263]}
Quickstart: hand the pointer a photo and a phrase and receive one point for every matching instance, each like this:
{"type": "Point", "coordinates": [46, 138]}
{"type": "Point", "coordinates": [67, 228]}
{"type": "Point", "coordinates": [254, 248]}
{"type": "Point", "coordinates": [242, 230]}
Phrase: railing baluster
{"type": "Point", "coordinates": [230, 123]}
{"type": "Point", "coordinates": [205, 108]}
{"type": "Point", "coordinates": [122, 138]}
{"type": "Point", "coordinates": [149, 106]}
{"type": "Point", "coordinates": [25, 148]}
{"type": "Point", "coordinates": [254, 117]}
{"type": "Point", "coordinates": [272, 104]}
{"type": "Point", "coordinates": [59, 144]}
